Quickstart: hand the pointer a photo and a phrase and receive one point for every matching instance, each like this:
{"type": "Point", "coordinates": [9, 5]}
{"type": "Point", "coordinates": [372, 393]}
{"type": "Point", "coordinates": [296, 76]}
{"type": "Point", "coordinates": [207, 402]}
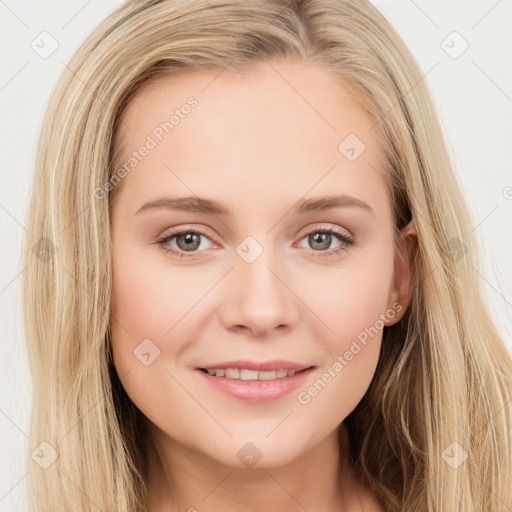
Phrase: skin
{"type": "Point", "coordinates": [282, 121]}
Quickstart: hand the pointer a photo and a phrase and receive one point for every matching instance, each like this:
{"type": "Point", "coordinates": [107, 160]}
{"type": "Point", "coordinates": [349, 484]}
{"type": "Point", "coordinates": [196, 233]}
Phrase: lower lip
{"type": "Point", "coordinates": [257, 391]}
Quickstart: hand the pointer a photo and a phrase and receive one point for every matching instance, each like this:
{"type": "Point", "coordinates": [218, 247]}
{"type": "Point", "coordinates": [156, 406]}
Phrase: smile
{"type": "Point", "coordinates": [254, 386]}
{"type": "Point", "coordinates": [244, 374]}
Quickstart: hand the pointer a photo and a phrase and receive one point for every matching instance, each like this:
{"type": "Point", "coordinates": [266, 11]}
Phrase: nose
{"type": "Point", "coordinates": [259, 299]}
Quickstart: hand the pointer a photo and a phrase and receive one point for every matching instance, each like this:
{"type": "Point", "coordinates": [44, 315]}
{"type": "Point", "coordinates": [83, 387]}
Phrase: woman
{"type": "Point", "coordinates": [258, 288]}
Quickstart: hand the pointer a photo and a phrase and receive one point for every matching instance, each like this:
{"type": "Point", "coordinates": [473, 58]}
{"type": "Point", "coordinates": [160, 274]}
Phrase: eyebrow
{"type": "Point", "coordinates": [213, 207]}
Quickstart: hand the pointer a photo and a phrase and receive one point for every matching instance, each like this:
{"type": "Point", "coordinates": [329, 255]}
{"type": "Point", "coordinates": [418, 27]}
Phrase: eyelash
{"type": "Point", "coordinates": [348, 241]}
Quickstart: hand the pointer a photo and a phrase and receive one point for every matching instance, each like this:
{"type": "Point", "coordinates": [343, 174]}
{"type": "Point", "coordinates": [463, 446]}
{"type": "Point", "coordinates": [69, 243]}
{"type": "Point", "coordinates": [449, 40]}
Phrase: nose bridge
{"type": "Point", "coordinates": [259, 299]}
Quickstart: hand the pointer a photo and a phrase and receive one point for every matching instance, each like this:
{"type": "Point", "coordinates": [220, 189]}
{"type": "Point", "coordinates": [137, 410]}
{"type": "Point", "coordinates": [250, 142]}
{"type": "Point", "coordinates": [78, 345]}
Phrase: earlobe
{"type": "Point", "coordinates": [410, 229]}
{"type": "Point", "coordinates": [403, 271]}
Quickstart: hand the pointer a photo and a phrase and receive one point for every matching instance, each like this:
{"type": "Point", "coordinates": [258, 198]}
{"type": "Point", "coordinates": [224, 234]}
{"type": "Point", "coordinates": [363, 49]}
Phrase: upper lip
{"type": "Point", "coordinates": [276, 364]}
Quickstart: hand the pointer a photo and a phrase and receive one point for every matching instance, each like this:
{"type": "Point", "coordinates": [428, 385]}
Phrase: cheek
{"type": "Point", "coordinates": [150, 310]}
{"type": "Point", "coordinates": [149, 300]}
{"type": "Point", "coordinates": [154, 315]}
{"type": "Point", "coordinates": [351, 304]}
{"type": "Point", "coordinates": [350, 298]}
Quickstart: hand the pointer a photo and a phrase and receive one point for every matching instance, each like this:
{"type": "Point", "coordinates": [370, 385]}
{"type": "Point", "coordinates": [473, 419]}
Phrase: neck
{"type": "Point", "coordinates": [182, 478]}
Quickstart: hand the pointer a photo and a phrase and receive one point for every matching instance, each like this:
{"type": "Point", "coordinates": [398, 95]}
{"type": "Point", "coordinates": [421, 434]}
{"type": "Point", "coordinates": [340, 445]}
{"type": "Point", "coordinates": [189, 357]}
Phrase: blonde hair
{"type": "Point", "coordinates": [444, 375]}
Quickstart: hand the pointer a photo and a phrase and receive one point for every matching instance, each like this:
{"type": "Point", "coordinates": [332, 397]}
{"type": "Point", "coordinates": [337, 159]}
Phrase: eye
{"type": "Point", "coordinates": [187, 240]}
{"type": "Point", "coordinates": [321, 239]}
{"type": "Point", "coordinates": [190, 241]}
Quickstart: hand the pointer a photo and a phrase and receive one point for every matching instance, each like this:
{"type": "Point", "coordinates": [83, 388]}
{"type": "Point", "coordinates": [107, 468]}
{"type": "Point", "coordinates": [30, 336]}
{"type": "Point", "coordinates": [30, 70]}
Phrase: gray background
{"type": "Point", "coordinates": [472, 90]}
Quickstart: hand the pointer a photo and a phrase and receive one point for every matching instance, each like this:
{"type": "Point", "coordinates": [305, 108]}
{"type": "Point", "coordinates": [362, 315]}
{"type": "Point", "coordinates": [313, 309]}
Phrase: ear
{"type": "Point", "coordinates": [401, 286]}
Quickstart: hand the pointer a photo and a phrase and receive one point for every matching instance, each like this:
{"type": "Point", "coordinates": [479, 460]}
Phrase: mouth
{"type": "Point", "coordinates": [246, 374]}
{"type": "Point", "coordinates": [255, 386]}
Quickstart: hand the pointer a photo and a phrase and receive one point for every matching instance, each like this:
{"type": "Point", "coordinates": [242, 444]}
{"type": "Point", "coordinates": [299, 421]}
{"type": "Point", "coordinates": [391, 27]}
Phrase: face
{"type": "Point", "coordinates": [256, 265]}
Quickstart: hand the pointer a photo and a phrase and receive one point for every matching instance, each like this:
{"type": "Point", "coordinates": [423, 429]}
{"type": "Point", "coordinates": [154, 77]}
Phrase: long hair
{"type": "Point", "coordinates": [433, 431]}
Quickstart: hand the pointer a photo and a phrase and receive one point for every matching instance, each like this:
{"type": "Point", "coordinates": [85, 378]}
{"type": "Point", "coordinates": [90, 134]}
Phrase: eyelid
{"type": "Point", "coordinates": [188, 228]}
{"type": "Point", "coordinates": [325, 227]}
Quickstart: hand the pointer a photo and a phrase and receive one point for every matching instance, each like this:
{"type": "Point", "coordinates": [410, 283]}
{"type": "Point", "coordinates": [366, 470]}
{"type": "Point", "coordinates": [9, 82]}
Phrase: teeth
{"type": "Point", "coordinates": [249, 374]}
{"type": "Point", "coordinates": [267, 375]}
{"type": "Point", "coordinates": [232, 373]}
{"type": "Point", "coordinates": [244, 374]}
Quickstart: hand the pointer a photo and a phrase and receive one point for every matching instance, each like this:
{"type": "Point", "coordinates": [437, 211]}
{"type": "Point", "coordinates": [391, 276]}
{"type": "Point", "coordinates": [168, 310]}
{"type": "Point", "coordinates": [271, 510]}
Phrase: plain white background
{"type": "Point", "coordinates": [472, 89]}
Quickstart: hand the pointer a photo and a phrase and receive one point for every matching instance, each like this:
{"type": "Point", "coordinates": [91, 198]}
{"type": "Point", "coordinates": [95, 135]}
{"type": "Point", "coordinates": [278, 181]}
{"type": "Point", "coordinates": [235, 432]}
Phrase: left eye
{"type": "Point", "coordinates": [322, 239]}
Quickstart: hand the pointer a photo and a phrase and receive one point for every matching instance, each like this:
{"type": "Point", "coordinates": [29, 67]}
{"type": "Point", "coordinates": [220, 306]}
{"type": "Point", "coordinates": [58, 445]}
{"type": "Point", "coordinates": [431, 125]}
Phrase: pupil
{"type": "Point", "coordinates": [191, 240]}
{"type": "Point", "coordinates": [321, 238]}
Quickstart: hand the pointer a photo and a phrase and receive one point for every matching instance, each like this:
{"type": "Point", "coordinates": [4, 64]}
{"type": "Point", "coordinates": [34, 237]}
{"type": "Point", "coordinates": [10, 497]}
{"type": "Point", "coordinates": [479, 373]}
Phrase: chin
{"type": "Point", "coordinates": [259, 451]}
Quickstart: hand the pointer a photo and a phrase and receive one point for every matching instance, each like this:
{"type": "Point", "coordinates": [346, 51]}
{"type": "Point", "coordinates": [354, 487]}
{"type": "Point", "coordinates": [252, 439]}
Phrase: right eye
{"type": "Point", "coordinates": [187, 240]}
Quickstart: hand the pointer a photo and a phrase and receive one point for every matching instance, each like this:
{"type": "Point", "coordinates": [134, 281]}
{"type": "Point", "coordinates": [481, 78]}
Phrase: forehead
{"type": "Point", "coordinates": [277, 125]}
